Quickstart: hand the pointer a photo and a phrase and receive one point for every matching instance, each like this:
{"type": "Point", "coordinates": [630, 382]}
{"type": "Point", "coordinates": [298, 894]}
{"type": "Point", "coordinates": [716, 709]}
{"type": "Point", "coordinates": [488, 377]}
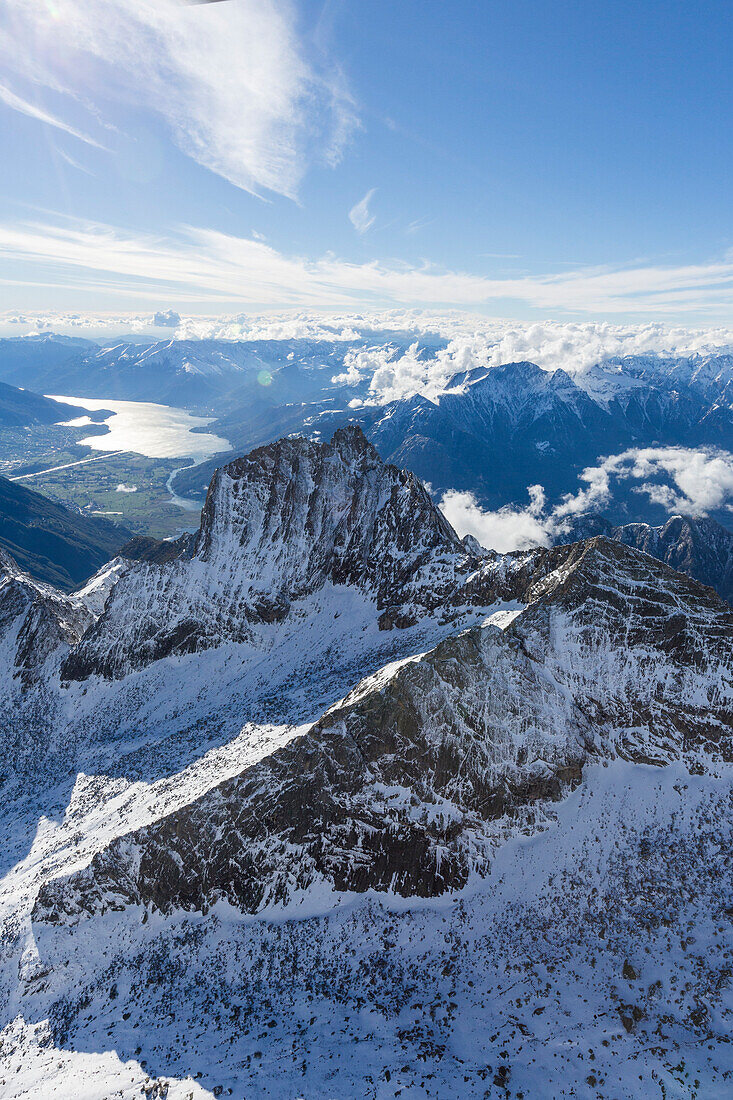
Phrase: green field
{"type": "Point", "coordinates": [92, 483]}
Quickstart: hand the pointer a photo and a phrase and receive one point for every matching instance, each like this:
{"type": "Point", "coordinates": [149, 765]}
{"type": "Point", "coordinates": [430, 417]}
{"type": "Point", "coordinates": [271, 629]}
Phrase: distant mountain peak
{"type": "Point", "coordinates": [700, 547]}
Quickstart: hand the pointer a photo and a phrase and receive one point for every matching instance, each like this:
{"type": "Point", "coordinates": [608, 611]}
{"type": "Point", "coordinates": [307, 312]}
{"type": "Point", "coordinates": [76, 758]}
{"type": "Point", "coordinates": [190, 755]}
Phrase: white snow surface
{"type": "Point", "coordinates": [591, 958]}
{"type": "Point", "coordinates": [528, 982]}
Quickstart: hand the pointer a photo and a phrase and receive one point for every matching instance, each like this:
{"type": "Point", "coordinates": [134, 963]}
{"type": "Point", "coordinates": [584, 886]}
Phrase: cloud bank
{"type": "Point", "coordinates": [691, 481]}
{"type": "Point", "coordinates": [393, 372]}
{"type": "Point", "coordinates": [403, 352]}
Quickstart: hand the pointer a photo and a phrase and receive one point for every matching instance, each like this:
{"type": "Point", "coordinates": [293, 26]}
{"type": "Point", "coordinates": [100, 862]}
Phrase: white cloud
{"type": "Point", "coordinates": [693, 481]}
{"type": "Point", "coordinates": [505, 530]}
{"type": "Point", "coordinates": [17, 103]}
{"type": "Point", "coordinates": [395, 373]}
{"type": "Point", "coordinates": [231, 81]}
{"type": "Point", "coordinates": [360, 216]}
{"type": "Point", "coordinates": [702, 478]}
{"type": "Point", "coordinates": [202, 265]}
{"type": "Point", "coordinates": [166, 318]}
{"type": "Point", "coordinates": [349, 377]}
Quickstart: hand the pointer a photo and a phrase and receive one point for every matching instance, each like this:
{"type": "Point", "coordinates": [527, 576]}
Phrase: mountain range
{"type": "Point", "coordinates": [496, 431]}
{"type": "Point", "coordinates": [329, 800]}
{"type": "Point", "coordinates": [489, 430]}
{"type": "Point", "coordinates": [701, 548]}
{"type": "Point", "coordinates": [199, 374]}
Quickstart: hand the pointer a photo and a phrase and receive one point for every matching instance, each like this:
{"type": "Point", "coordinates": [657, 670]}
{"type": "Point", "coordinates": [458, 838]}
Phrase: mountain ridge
{"type": "Point", "coordinates": [319, 845]}
{"type": "Point", "coordinates": [699, 547]}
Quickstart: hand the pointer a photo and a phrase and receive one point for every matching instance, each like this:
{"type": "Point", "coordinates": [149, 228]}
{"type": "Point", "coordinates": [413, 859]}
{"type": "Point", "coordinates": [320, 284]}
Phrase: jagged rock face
{"type": "Point", "coordinates": [287, 521]}
{"type": "Point", "coordinates": [699, 547]}
{"type": "Point", "coordinates": [36, 622]}
{"type": "Point", "coordinates": [279, 525]}
{"type": "Point", "coordinates": [391, 790]}
{"type": "Point", "coordinates": [409, 783]}
{"type": "Point", "coordinates": [39, 627]}
{"type": "Point", "coordinates": [645, 651]}
{"type": "Point", "coordinates": [298, 514]}
{"type": "Point", "coordinates": [146, 548]}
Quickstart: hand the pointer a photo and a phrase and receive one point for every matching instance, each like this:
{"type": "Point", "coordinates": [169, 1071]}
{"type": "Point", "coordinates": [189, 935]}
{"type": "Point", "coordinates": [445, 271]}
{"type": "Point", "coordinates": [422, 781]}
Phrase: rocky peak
{"type": "Point", "coordinates": [279, 525]}
{"type": "Point", "coordinates": [698, 546]}
{"type": "Point", "coordinates": [298, 513]}
{"type": "Point", "coordinates": [411, 781]}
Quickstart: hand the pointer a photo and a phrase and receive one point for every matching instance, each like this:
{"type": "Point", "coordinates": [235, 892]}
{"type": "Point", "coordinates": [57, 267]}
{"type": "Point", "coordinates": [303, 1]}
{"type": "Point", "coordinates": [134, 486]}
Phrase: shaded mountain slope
{"type": "Point", "coordinates": [699, 547]}
{"type": "Point", "coordinates": [52, 543]}
{"type": "Point", "coordinates": [19, 408]}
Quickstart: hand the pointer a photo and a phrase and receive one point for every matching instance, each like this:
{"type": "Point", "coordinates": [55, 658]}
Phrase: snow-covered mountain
{"type": "Point", "coordinates": [333, 802]}
{"type": "Point", "coordinates": [190, 373]}
{"type": "Point", "coordinates": [24, 360]}
{"type": "Point", "coordinates": [408, 783]}
{"type": "Point", "coordinates": [495, 431]}
{"type": "Point", "coordinates": [37, 622]}
{"type": "Point", "coordinates": [710, 377]}
{"type": "Point", "coordinates": [278, 527]}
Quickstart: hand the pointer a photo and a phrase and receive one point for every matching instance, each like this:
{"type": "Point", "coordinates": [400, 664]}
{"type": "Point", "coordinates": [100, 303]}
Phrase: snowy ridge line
{"type": "Point", "coordinates": [334, 775]}
{"type": "Point", "coordinates": [448, 728]}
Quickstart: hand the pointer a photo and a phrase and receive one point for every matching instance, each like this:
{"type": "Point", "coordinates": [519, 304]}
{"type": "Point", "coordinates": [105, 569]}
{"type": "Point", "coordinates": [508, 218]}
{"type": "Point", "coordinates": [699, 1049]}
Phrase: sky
{"type": "Point", "coordinates": [527, 160]}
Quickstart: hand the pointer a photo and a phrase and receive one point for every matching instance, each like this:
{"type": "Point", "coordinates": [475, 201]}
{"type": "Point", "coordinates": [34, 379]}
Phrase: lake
{"type": "Point", "coordinates": [156, 431]}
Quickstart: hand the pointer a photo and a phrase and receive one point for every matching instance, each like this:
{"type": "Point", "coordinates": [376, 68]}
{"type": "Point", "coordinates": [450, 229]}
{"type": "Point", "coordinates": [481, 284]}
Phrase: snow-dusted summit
{"type": "Point", "coordinates": [288, 521]}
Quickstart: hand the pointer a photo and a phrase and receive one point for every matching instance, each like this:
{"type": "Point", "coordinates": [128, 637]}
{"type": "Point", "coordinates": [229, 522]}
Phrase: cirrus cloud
{"type": "Point", "coordinates": [231, 81]}
{"type": "Point", "coordinates": [24, 107]}
{"type": "Point", "coordinates": [199, 264]}
{"type": "Point", "coordinates": [360, 216]}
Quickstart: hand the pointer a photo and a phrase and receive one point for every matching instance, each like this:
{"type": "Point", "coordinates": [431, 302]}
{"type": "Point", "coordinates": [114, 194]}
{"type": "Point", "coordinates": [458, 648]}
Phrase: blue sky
{"type": "Point", "coordinates": [525, 160]}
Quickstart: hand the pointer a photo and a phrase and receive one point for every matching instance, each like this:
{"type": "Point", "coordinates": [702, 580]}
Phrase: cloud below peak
{"type": "Point", "coordinates": [504, 530]}
{"type": "Point", "coordinates": [690, 481]}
